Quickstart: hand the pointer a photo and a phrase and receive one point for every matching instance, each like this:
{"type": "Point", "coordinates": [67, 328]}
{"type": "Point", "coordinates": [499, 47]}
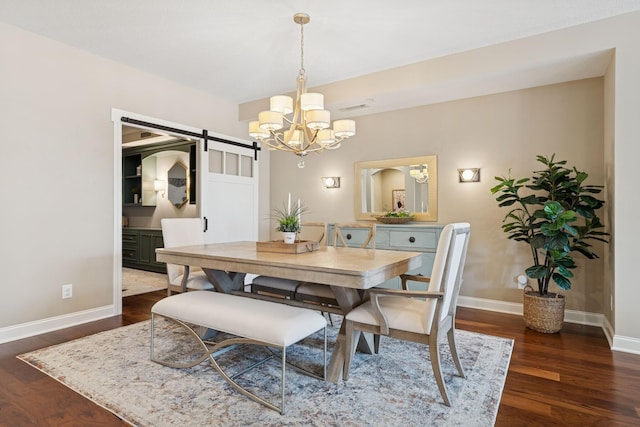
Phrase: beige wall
{"type": "Point", "coordinates": [495, 133]}
{"type": "Point", "coordinates": [57, 168]}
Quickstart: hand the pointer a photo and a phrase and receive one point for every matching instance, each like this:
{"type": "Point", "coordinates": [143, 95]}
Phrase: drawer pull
{"type": "Point", "coordinates": [412, 239]}
{"type": "Point", "coordinates": [349, 236]}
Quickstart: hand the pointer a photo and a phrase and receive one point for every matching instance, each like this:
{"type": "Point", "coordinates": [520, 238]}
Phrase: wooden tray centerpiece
{"type": "Point", "coordinates": [298, 247]}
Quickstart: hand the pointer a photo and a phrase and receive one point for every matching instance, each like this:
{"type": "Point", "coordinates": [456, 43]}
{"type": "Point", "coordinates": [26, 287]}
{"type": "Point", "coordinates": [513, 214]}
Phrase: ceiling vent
{"type": "Point", "coordinates": [353, 107]}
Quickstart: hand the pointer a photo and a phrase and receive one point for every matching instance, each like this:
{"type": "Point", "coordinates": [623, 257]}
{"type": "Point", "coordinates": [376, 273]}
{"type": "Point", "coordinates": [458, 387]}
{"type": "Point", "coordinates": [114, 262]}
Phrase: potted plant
{"type": "Point", "coordinates": [557, 218]}
{"type": "Point", "coordinates": [288, 220]}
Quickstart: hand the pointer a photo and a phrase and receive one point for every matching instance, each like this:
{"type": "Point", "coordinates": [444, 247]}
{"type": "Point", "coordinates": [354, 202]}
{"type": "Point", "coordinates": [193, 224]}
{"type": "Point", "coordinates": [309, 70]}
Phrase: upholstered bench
{"type": "Point", "coordinates": [252, 321]}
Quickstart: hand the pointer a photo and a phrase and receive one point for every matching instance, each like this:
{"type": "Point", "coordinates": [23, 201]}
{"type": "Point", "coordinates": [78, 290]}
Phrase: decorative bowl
{"type": "Point", "coordinates": [394, 219]}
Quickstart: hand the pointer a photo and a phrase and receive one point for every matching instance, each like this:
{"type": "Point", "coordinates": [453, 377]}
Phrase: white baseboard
{"type": "Point", "coordinates": [29, 329]}
{"type": "Point", "coordinates": [608, 331]}
{"type": "Point", "coordinates": [616, 342]}
{"type": "Point", "coordinates": [571, 316]}
{"type": "Point", "coordinates": [626, 344]}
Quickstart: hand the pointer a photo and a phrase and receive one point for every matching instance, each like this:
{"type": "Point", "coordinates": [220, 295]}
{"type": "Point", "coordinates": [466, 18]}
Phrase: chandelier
{"type": "Point", "coordinates": [420, 173]}
{"type": "Point", "coordinates": [303, 127]}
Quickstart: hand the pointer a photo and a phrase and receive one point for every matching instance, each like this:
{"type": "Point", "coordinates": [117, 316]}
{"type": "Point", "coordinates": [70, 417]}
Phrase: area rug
{"type": "Point", "coordinates": [136, 282]}
{"type": "Point", "coordinates": [396, 387]}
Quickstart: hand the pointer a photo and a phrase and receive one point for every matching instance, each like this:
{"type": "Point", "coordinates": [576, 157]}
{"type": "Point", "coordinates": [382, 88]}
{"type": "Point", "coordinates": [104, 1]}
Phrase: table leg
{"type": "Point", "coordinates": [224, 281]}
{"type": "Point", "coordinates": [347, 299]}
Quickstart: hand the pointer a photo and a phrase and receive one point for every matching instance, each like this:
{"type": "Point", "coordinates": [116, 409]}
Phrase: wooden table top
{"type": "Point", "coordinates": [348, 267]}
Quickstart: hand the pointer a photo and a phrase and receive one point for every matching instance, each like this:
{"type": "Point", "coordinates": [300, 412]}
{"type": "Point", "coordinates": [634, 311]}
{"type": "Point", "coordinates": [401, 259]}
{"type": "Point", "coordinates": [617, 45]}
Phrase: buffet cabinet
{"type": "Point", "coordinates": [406, 237]}
{"type": "Point", "coordinates": [139, 249]}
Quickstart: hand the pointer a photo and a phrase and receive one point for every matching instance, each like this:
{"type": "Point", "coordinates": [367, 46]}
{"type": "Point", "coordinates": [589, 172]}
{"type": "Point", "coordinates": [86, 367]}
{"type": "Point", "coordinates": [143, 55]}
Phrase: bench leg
{"type": "Point", "coordinates": [208, 354]}
{"type": "Point", "coordinates": [282, 381]}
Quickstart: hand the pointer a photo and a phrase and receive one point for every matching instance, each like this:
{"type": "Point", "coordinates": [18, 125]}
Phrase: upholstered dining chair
{"type": "Point", "coordinates": [184, 232]}
{"type": "Point", "coordinates": [419, 316]}
{"type": "Point", "coordinates": [286, 288]}
{"type": "Point", "coordinates": [322, 294]}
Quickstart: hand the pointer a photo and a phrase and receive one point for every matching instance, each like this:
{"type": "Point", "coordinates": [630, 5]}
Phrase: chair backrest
{"type": "Point", "coordinates": [340, 231]}
{"type": "Point", "coordinates": [448, 266]}
{"type": "Point", "coordinates": [314, 231]}
{"type": "Point", "coordinates": [180, 232]}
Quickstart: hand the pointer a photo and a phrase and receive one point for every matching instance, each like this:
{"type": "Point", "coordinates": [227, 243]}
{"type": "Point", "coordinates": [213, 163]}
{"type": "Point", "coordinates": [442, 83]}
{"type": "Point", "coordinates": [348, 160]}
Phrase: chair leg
{"type": "Point", "coordinates": [352, 337]}
{"type": "Point", "coordinates": [329, 316]}
{"type": "Point", "coordinates": [376, 343]}
{"type": "Point", "coordinates": [454, 351]}
{"type": "Point", "coordinates": [437, 371]}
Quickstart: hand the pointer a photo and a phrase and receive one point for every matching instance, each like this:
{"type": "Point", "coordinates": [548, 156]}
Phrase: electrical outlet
{"type": "Point", "coordinates": [522, 281]}
{"type": "Point", "coordinates": [67, 291]}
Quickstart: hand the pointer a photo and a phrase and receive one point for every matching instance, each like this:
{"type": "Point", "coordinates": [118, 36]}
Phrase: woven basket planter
{"type": "Point", "coordinates": [543, 313]}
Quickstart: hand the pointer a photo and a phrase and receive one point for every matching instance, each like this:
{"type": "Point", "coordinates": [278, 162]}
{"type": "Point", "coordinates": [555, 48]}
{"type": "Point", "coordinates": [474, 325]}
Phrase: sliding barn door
{"type": "Point", "coordinates": [227, 192]}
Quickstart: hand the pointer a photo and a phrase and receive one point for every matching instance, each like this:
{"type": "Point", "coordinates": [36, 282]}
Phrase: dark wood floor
{"type": "Point", "coordinates": [568, 379]}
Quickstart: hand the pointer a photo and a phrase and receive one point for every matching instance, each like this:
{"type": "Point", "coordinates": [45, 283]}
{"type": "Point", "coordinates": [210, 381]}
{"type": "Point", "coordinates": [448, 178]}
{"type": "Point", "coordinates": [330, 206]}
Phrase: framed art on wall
{"type": "Point", "coordinates": [397, 199]}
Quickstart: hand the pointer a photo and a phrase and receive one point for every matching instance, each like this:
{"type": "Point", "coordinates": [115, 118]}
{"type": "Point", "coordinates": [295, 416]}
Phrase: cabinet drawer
{"type": "Point", "coordinates": [129, 237]}
{"type": "Point", "coordinates": [355, 237]}
{"type": "Point", "coordinates": [419, 240]}
{"type": "Point", "coordinates": [129, 254]}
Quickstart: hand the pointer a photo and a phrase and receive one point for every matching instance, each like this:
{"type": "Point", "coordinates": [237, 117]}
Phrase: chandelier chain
{"type": "Point", "coordinates": [302, 70]}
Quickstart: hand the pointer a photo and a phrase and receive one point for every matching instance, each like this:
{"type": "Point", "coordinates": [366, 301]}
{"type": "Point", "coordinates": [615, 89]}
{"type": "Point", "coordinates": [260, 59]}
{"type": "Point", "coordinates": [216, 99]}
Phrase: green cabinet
{"type": "Point", "coordinates": [412, 238]}
{"type": "Point", "coordinates": [139, 249]}
{"type": "Point", "coordinates": [193, 172]}
{"type": "Point", "coordinates": [131, 179]}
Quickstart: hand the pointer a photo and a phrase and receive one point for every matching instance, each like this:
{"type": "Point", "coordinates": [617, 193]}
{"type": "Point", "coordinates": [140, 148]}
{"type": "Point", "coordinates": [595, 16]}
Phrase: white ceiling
{"type": "Point", "coordinates": [243, 50]}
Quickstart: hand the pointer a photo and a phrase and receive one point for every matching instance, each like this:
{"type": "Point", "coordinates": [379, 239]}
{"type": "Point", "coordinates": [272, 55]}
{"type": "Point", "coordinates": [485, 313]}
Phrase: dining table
{"type": "Point", "coordinates": [348, 271]}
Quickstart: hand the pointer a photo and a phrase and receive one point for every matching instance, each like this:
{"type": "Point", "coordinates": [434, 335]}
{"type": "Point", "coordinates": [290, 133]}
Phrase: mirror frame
{"type": "Point", "coordinates": [431, 161]}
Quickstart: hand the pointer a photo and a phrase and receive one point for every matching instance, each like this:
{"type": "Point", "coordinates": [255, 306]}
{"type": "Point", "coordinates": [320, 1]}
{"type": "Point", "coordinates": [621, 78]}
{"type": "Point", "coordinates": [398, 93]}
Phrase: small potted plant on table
{"type": "Point", "coordinates": [288, 220]}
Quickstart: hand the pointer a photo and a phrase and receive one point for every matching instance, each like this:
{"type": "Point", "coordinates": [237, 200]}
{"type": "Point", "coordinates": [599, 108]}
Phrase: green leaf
{"type": "Point", "coordinates": [536, 272]}
{"type": "Point", "coordinates": [561, 281]}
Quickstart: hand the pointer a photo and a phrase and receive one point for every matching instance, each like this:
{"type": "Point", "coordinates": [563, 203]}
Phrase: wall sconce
{"type": "Point", "coordinates": [469, 175]}
{"type": "Point", "coordinates": [159, 186]}
{"type": "Point", "coordinates": [330, 181]}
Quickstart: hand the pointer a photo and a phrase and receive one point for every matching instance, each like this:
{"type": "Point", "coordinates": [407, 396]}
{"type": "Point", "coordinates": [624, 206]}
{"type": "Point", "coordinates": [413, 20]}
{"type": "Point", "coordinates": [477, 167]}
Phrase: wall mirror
{"type": "Point", "coordinates": [177, 185]}
{"type": "Point", "coordinates": [409, 184]}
